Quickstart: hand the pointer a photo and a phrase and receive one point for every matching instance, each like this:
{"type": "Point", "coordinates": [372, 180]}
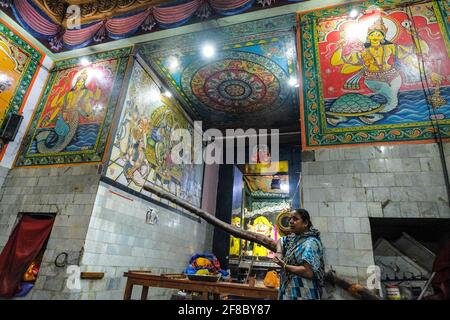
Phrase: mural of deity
{"type": "Point", "coordinates": [142, 150]}
{"type": "Point", "coordinates": [19, 63]}
{"type": "Point", "coordinates": [13, 62]}
{"type": "Point", "coordinates": [73, 117]}
{"type": "Point", "coordinates": [262, 226]}
{"type": "Point", "coordinates": [380, 77]}
{"type": "Point", "coordinates": [379, 62]}
{"type": "Point", "coordinates": [67, 107]}
{"type": "Point", "coordinates": [235, 243]}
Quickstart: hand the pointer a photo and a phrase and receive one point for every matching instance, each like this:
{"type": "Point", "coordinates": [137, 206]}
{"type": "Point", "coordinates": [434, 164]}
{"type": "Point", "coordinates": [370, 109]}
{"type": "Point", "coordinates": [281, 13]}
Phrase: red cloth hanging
{"type": "Point", "coordinates": [22, 248]}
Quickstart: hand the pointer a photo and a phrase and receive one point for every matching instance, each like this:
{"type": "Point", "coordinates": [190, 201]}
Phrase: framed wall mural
{"type": "Point", "coordinates": [381, 77]}
{"type": "Point", "coordinates": [19, 63]}
{"type": "Point", "coordinates": [141, 152]}
{"type": "Point", "coordinates": [73, 118]}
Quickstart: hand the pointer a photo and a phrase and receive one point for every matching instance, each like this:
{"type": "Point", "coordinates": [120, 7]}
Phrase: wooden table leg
{"type": "Point", "coordinates": [205, 295]}
{"type": "Point", "coordinates": [128, 290]}
{"type": "Point", "coordinates": [144, 293]}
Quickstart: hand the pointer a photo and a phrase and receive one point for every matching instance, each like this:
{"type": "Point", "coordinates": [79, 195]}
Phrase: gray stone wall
{"type": "Point", "coordinates": [69, 192]}
{"type": "Point", "coordinates": [3, 174]}
{"type": "Point", "coordinates": [343, 187]}
{"type": "Point", "coordinates": [118, 240]}
{"type": "Point", "coordinates": [100, 230]}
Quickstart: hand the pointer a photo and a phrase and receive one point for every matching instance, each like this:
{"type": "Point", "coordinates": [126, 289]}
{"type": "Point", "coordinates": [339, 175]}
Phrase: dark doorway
{"type": "Point", "coordinates": [22, 255]}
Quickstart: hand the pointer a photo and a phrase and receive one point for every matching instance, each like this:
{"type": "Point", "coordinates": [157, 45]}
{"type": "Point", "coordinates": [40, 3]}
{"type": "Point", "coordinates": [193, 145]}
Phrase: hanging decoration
{"type": "Point", "coordinates": [102, 20]}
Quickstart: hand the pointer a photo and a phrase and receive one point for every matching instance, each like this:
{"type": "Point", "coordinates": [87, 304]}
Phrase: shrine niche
{"type": "Point", "coordinates": [265, 194]}
{"type": "Point", "coordinates": [381, 77]}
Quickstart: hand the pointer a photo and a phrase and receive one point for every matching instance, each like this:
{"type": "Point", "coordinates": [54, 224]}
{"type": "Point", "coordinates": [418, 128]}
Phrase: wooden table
{"type": "Point", "coordinates": [147, 280]}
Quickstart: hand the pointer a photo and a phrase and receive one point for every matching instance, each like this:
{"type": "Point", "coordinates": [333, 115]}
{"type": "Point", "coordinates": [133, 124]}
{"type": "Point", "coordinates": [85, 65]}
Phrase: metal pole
{"type": "Point", "coordinates": [426, 286]}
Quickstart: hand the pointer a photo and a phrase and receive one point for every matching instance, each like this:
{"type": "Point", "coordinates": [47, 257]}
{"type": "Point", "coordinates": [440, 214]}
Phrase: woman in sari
{"type": "Point", "coordinates": [300, 255]}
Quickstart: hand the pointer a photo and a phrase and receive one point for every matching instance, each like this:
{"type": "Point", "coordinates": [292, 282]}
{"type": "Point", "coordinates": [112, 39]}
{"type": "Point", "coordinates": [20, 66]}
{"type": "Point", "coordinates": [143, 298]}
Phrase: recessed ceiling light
{"type": "Point", "coordinates": [173, 63]}
{"type": "Point", "coordinates": [208, 50]}
{"type": "Point", "coordinates": [154, 95]}
{"type": "Point", "coordinates": [293, 82]}
{"type": "Point", "coordinates": [168, 94]}
{"type": "Point", "coordinates": [354, 13]}
{"type": "Point", "coordinates": [85, 62]}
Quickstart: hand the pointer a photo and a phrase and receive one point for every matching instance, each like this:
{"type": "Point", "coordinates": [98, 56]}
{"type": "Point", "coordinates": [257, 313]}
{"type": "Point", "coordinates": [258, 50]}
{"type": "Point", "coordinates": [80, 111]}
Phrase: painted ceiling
{"type": "Point", "coordinates": [70, 24]}
{"type": "Point", "coordinates": [245, 85]}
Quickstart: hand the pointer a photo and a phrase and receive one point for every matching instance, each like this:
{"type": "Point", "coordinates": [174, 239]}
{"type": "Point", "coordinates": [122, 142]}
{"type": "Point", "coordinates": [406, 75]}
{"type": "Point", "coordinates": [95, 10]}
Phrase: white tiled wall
{"type": "Point", "coordinates": [118, 240]}
{"type": "Point", "coordinates": [343, 187]}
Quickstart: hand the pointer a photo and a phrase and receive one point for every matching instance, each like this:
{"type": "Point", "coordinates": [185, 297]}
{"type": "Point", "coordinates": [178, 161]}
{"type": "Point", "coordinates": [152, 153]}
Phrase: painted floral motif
{"type": "Point", "coordinates": [241, 82]}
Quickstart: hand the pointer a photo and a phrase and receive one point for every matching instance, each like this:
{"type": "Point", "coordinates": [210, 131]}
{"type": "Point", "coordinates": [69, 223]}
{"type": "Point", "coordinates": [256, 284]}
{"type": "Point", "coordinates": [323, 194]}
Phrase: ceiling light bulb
{"type": "Point", "coordinates": [208, 50]}
{"type": "Point", "coordinates": [154, 95]}
{"type": "Point", "coordinates": [292, 82]}
{"type": "Point", "coordinates": [85, 62]}
{"type": "Point", "coordinates": [168, 94]}
{"type": "Point", "coordinates": [173, 63]}
{"type": "Point", "coordinates": [354, 13]}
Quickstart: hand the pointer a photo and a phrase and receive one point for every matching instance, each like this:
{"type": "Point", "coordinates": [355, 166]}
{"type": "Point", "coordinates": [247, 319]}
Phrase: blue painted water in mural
{"type": "Point", "coordinates": [412, 108]}
{"type": "Point", "coordinates": [85, 138]}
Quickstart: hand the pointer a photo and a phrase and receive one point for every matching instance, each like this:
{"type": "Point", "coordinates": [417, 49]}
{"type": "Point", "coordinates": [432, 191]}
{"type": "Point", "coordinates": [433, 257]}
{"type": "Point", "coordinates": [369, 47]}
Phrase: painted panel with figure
{"type": "Point", "coordinates": [380, 77]}
{"type": "Point", "coordinates": [19, 63]}
{"type": "Point", "coordinates": [73, 119]}
{"type": "Point", "coordinates": [142, 149]}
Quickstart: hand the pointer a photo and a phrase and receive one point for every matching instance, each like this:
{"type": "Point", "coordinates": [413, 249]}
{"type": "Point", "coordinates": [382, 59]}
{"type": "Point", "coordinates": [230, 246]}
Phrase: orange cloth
{"type": "Point", "coordinates": [271, 280]}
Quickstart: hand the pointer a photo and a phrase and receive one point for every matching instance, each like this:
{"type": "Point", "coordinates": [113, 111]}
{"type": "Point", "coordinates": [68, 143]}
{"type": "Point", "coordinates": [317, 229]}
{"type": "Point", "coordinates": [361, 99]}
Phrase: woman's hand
{"type": "Point", "coordinates": [279, 262]}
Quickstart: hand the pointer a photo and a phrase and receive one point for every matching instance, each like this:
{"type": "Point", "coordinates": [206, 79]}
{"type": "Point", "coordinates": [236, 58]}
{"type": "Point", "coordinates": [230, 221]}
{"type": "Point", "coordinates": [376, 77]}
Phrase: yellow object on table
{"type": "Point", "coordinates": [203, 272]}
{"type": "Point", "coordinates": [271, 280]}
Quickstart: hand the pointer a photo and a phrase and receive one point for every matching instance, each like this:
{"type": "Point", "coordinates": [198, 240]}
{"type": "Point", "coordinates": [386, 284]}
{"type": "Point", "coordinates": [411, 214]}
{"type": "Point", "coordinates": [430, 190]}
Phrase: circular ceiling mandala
{"type": "Point", "coordinates": [240, 82]}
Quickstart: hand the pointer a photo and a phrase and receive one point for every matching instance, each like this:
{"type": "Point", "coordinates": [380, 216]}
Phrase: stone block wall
{"type": "Point", "coordinates": [102, 229]}
{"type": "Point", "coordinates": [118, 240]}
{"type": "Point", "coordinates": [70, 192]}
{"type": "Point", "coordinates": [3, 174]}
{"type": "Point", "coordinates": [342, 188]}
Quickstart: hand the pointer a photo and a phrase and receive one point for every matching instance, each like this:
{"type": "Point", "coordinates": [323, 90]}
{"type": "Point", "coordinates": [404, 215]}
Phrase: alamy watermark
{"type": "Point", "coordinates": [73, 14]}
{"type": "Point", "coordinates": [73, 280]}
{"type": "Point", "coordinates": [230, 146]}
{"type": "Point", "coordinates": [374, 278]}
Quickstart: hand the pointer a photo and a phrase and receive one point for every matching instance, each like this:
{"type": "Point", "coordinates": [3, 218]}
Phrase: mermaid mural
{"type": "Point", "coordinates": [380, 63]}
{"type": "Point", "coordinates": [68, 107]}
{"type": "Point", "coordinates": [73, 117]}
{"type": "Point", "coordinates": [74, 110]}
